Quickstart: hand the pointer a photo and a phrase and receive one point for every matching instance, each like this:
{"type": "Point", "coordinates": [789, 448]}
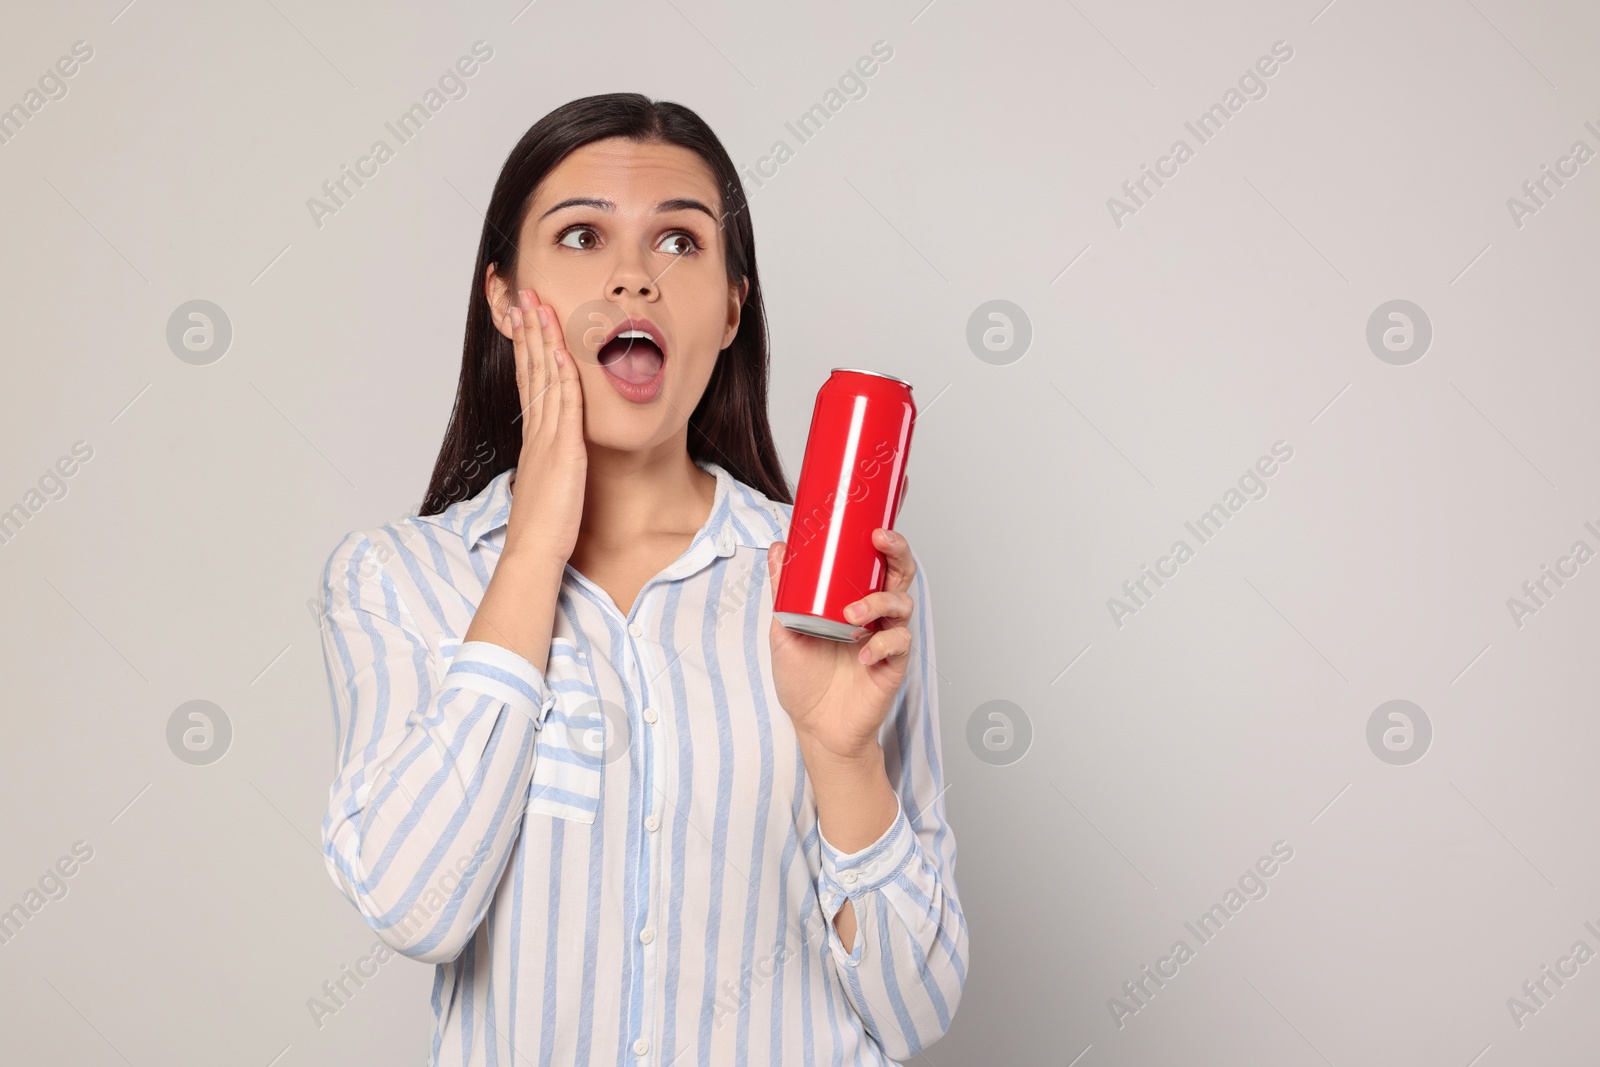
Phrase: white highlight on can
{"type": "Point", "coordinates": [841, 497]}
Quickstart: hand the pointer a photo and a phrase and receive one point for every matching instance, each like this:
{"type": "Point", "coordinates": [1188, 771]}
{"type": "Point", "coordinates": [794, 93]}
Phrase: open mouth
{"type": "Point", "coordinates": [634, 355]}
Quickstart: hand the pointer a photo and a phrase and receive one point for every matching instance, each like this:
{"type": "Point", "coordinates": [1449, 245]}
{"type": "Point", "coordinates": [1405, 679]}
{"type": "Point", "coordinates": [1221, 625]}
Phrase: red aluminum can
{"type": "Point", "coordinates": [851, 480]}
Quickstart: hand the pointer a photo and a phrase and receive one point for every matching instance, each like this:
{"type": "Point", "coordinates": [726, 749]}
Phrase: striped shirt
{"type": "Point", "coordinates": [617, 860]}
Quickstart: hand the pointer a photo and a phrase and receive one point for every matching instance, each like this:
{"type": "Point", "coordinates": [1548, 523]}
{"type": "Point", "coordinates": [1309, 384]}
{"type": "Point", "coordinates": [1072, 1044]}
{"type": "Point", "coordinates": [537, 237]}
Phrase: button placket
{"type": "Point", "coordinates": [646, 935]}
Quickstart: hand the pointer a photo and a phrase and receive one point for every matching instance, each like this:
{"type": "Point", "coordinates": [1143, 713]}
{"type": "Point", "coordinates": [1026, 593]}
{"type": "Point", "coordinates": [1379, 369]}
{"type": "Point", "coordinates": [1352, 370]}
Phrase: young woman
{"type": "Point", "coordinates": [630, 817]}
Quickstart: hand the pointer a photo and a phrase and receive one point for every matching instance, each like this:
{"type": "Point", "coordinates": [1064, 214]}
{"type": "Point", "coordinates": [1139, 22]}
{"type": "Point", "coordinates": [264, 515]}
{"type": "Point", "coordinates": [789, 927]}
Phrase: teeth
{"type": "Point", "coordinates": [634, 333]}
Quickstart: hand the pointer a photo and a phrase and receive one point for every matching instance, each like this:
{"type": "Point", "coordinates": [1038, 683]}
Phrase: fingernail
{"type": "Point", "coordinates": [852, 612]}
{"type": "Point", "coordinates": [526, 296]}
{"type": "Point", "coordinates": [544, 317]}
{"type": "Point", "coordinates": [515, 315]}
{"type": "Point", "coordinates": [561, 357]}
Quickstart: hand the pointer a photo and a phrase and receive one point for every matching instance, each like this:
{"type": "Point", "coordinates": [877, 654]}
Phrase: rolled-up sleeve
{"type": "Point", "coordinates": [905, 973]}
{"type": "Point", "coordinates": [432, 776]}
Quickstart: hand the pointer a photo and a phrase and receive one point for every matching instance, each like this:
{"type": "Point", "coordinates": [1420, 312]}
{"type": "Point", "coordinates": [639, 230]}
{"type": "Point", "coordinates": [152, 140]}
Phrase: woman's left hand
{"type": "Point", "coordinates": [838, 693]}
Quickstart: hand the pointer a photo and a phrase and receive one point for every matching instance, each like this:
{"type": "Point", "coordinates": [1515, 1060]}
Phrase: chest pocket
{"type": "Point", "coordinates": [578, 737]}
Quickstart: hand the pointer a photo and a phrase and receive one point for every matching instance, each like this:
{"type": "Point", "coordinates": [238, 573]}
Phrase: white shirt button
{"type": "Point", "coordinates": [848, 877]}
{"type": "Point", "coordinates": [641, 1046]}
{"type": "Point", "coordinates": [650, 715]}
{"type": "Point", "coordinates": [635, 629]}
{"type": "Point", "coordinates": [652, 822]}
{"type": "Point", "coordinates": [647, 935]}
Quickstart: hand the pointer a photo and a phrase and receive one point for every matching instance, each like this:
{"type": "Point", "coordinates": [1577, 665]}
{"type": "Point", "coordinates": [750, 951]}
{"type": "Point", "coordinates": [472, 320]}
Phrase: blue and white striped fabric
{"type": "Point", "coordinates": [617, 860]}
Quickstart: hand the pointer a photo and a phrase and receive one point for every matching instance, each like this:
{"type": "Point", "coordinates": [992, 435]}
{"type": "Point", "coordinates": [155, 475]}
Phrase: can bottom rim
{"type": "Point", "coordinates": [816, 626]}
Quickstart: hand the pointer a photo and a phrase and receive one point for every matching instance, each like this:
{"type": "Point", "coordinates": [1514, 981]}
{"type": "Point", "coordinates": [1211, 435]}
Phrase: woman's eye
{"type": "Point", "coordinates": [586, 238]}
{"type": "Point", "coordinates": [686, 246]}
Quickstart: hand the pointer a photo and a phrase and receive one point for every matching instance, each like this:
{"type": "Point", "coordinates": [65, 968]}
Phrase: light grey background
{"type": "Point", "coordinates": [1167, 355]}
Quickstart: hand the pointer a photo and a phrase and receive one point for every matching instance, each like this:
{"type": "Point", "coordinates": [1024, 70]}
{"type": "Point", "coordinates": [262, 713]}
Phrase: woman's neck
{"type": "Point", "coordinates": [632, 496]}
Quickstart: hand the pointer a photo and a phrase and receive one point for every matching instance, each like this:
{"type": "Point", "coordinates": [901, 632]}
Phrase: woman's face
{"type": "Point", "coordinates": [622, 231]}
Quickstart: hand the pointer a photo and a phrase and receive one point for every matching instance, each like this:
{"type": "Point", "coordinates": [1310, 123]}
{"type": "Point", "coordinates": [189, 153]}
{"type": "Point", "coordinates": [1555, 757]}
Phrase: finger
{"type": "Point", "coordinates": [775, 556]}
{"type": "Point", "coordinates": [886, 646]}
{"type": "Point", "coordinates": [892, 606]}
{"type": "Point", "coordinates": [519, 357]}
{"type": "Point", "coordinates": [533, 362]}
{"type": "Point", "coordinates": [570, 396]}
{"type": "Point", "coordinates": [897, 552]}
{"type": "Point", "coordinates": [549, 338]}
{"type": "Point", "coordinates": [536, 360]}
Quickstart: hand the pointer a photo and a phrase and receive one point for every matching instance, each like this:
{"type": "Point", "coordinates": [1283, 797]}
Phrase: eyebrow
{"type": "Point", "coordinates": [680, 203]}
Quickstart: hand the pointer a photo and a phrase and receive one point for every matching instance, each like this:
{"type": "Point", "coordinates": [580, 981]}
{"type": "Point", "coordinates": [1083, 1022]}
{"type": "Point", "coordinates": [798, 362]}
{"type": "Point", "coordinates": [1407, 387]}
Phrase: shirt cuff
{"type": "Point", "coordinates": [855, 873]}
{"type": "Point", "coordinates": [487, 668]}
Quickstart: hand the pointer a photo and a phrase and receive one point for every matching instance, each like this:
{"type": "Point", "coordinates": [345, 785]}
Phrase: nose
{"type": "Point", "coordinates": [631, 276]}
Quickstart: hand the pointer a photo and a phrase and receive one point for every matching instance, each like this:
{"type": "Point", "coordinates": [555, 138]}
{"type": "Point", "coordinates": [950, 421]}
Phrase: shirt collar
{"type": "Point", "coordinates": [740, 514]}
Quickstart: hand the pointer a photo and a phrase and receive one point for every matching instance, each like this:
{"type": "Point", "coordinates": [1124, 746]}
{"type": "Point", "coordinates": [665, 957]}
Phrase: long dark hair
{"type": "Point", "coordinates": [729, 425]}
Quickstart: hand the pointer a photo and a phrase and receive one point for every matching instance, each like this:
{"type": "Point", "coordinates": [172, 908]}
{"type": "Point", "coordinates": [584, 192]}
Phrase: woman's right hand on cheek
{"type": "Point", "coordinates": [552, 469]}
